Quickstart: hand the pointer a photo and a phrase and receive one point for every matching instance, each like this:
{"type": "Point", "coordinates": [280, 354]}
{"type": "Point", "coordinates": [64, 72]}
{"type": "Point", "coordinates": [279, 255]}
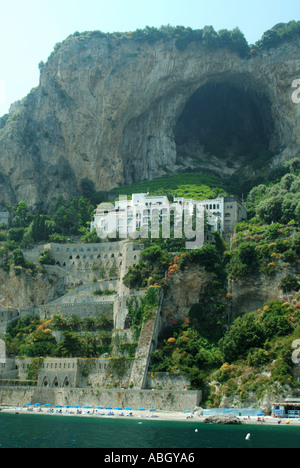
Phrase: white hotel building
{"type": "Point", "coordinates": [129, 216]}
{"type": "Point", "coordinates": [229, 210]}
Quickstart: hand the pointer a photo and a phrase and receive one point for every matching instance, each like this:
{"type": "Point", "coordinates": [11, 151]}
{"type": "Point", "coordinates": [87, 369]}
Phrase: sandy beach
{"type": "Point", "coordinates": [140, 415]}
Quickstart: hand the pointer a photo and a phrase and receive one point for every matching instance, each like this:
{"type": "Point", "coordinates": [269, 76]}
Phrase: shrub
{"type": "Point", "coordinates": [245, 333]}
{"type": "Point", "coordinates": [46, 258]}
{"type": "Point", "coordinates": [258, 357]}
{"type": "Point", "coordinates": [289, 256]}
{"type": "Point", "coordinates": [171, 340]}
{"type": "Point", "coordinates": [18, 258]}
{"type": "Point", "coordinates": [290, 283]}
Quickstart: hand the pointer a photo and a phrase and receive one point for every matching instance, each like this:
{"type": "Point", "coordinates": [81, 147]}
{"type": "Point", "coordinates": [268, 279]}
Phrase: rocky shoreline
{"type": "Point", "coordinates": [223, 419]}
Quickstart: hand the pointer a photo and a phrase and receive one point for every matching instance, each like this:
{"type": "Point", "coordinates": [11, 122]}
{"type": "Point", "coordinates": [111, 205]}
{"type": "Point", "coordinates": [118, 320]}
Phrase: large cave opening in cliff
{"type": "Point", "coordinates": [228, 122]}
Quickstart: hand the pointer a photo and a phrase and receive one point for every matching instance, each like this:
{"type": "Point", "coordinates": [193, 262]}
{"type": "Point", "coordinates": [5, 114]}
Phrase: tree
{"type": "Point", "coordinates": [207, 256]}
{"type": "Point", "coordinates": [88, 188]}
{"type": "Point", "coordinates": [245, 333]}
{"type": "Point", "coordinates": [42, 227]}
{"type": "Point", "coordinates": [234, 40]}
{"type": "Point", "coordinates": [133, 278]}
{"type": "Point", "coordinates": [104, 322]}
{"type": "Point", "coordinates": [247, 254]}
{"type": "Point", "coordinates": [209, 35]}
{"type": "Point", "coordinates": [75, 322]}
{"type": "Point", "coordinates": [270, 210]}
{"type": "Point", "coordinates": [287, 181]}
{"type": "Point", "coordinates": [16, 234]}
{"type": "Point", "coordinates": [43, 345]}
{"type": "Point", "coordinates": [71, 346]}
{"type": "Point", "coordinates": [239, 42]}
{"type": "Point", "coordinates": [18, 258]}
{"type": "Point", "coordinates": [290, 207]}
{"type": "Point", "coordinates": [46, 258]}
{"type": "Point", "coordinates": [270, 39]}
{"type": "Point", "coordinates": [21, 217]}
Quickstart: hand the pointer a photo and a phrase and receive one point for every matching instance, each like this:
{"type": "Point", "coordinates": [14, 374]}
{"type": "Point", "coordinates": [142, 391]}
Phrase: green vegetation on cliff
{"type": "Point", "coordinates": [241, 357]}
{"type": "Point", "coordinates": [207, 37]}
{"type": "Point", "coordinates": [33, 337]}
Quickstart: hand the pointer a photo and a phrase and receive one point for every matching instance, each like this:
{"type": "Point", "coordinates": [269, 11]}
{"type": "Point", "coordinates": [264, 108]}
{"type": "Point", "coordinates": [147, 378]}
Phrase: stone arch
{"type": "Point", "coordinates": [55, 382]}
{"type": "Point", "coordinates": [66, 382]}
{"type": "Point", "coordinates": [45, 382]}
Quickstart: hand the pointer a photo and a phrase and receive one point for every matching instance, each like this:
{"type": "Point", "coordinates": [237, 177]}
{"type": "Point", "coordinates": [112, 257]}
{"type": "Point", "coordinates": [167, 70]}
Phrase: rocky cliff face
{"type": "Point", "coordinates": [117, 112]}
{"type": "Point", "coordinates": [187, 289]}
{"type": "Point", "coordinates": [25, 291]}
{"type": "Point", "coordinates": [252, 293]}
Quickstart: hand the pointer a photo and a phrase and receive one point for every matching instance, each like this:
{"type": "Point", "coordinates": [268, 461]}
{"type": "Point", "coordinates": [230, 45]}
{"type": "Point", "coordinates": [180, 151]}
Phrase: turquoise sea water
{"type": "Point", "coordinates": [50, 431]}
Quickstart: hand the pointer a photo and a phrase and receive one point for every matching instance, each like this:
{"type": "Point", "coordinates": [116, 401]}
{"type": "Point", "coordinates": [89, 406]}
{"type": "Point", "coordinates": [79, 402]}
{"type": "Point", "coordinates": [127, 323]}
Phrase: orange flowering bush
{"type": "Point", "coordinates": [171, 340]}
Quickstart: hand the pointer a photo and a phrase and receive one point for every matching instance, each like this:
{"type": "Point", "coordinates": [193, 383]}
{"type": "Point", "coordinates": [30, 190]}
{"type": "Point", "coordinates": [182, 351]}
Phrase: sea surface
{"type": "Point", "coordinates": [56, 431]}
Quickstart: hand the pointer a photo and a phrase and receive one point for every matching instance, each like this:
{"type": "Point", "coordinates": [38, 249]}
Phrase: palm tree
{"type": "Point", "coordinates": [89, 324]}
{"type": "Point", "coordinates": [75, 323]}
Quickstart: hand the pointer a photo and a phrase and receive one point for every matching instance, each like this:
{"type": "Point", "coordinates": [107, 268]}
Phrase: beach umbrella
{"type": "Point", "coordinates": [68, 406]}
{"type": "Point", "coordinates": [28, 404]}
{"type": "Point", "coordinates": [47, 404]}
{"type": "Point", "coordinates": [58, 406]}
{"type": "Point", "coordinates": [128, 409]}
{"type": "Point", "coordinates": [186, 411]}
{"type": "Point", "coordinates": [260, 414]}
{"type": "Point", "coordinates": [77, 406]}
{"type": "Point", "coordinates": [152, 409]}
{"type": "Point", "coordinates": [141, 409]}
{"type": "Point", "coordinates": [37, 404]}
{"type": "Point", "coordinates": [118, 408]}
{"type": "Point", "coordinates": [108, 407]}
{"type": "Point", "coordinates": [99, 407]}
{"type": "Point", "coordinates": [86, 407]}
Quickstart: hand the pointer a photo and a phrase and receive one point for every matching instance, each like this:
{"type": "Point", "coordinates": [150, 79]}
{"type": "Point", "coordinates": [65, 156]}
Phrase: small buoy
{"type": "Point", "coordinates": [248, 436]}
{"type": "Point", "coordinates": [196, 430]}
{"type": "Point", "coordinates": [140, 423]}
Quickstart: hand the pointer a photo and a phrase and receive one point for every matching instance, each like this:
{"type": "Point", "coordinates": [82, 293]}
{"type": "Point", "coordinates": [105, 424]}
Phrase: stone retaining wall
{"type": "Point", "coordinates": [159, 399]}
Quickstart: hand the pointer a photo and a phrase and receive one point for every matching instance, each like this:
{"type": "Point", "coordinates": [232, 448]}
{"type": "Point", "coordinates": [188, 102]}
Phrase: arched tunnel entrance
{"type": "Point", "coordinates": [227, 120]}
